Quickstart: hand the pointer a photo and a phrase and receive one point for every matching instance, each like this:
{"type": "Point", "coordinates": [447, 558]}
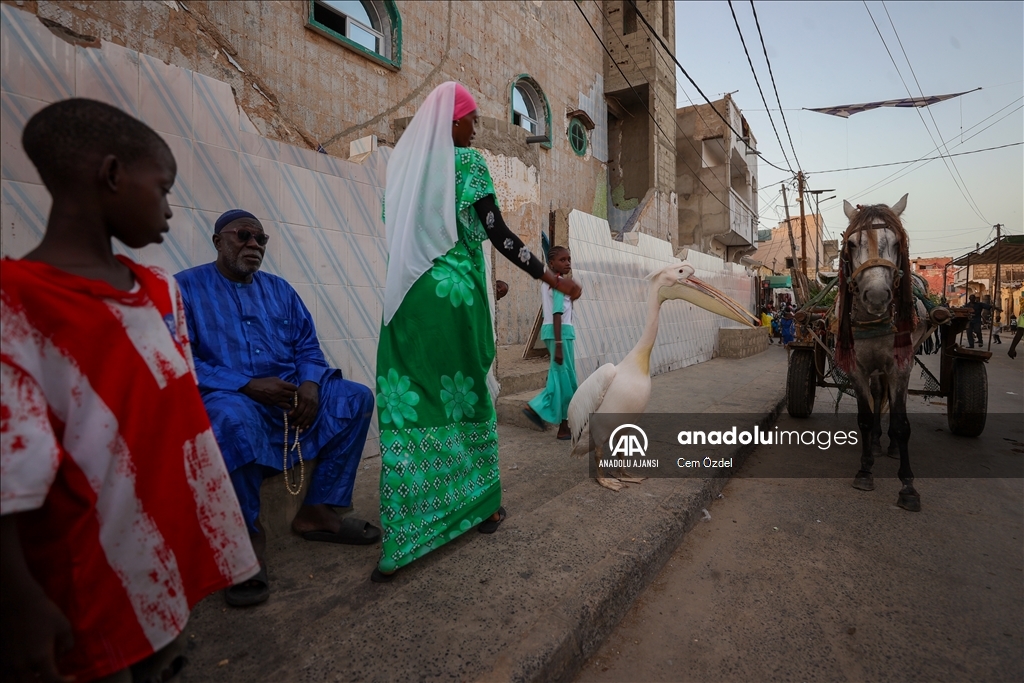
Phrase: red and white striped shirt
{"type": "Point", "coordinates": [128, 515]}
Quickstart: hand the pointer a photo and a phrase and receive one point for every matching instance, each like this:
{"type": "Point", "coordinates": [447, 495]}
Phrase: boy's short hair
{"type": "Point", "coordinates": [60, 137]}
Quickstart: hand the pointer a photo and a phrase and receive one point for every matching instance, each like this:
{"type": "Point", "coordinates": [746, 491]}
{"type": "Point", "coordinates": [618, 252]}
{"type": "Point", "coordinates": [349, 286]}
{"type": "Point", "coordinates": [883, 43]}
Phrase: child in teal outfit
{"type": "Point", "coordinates": [552, 404]}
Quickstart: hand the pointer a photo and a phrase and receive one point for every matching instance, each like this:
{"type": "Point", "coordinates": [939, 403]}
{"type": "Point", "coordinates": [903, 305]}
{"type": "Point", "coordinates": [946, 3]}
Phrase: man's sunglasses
{"type": "Point", "coordinates": [245, 235]}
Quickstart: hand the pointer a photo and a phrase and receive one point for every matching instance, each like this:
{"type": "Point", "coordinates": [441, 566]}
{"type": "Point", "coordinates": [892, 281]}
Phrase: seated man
{"type": "Point", "coordinates": [260, 368]}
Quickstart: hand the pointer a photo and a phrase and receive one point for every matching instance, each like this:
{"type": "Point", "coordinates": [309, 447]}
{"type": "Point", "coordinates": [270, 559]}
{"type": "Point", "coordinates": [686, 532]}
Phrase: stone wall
{"type": "Point", "coordinates": [742, 342]}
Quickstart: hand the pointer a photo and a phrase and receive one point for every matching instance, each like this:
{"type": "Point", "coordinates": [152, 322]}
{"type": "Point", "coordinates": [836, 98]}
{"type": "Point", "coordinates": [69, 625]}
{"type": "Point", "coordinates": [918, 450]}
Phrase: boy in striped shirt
{"type": "Point", "coordinates": [116, 511]}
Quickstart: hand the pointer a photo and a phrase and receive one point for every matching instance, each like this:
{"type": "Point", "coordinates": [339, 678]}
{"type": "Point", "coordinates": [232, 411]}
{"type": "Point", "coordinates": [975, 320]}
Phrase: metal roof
{"type": "Point", "coordinates": [1010, 250]}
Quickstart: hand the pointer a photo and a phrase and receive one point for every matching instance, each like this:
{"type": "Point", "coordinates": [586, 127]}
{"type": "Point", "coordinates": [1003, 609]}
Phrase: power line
{"type": "Point", "coordinates": [772, 74]}
{"type": "Point", "coordinates": [911, 94]}
{"type": "Point", "coordinates": [759, 90]}
{"type": "Point", "coordinates": [679, 85]}
{"type": "Point", "coordinates": [654, 92]}
{"type": "Point", "coordinates": [930, 113]}
{"type": "Point", "coordinates": [886, 180]}
{"type": "Point", "coordinates": [661, 41]}
{"type": "Point", "coordinates": [641, 100]}
{"type": "Point", "coordinates": [914, 161]}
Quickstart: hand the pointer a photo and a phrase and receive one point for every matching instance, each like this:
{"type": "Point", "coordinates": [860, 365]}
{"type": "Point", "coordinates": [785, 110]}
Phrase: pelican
{"type": "Point", "coordinates": [626, 387]}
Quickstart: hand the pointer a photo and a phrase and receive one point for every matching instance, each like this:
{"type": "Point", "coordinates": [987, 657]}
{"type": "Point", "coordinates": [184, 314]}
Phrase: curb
{"type": "Point", "coordinates": [562, 639]}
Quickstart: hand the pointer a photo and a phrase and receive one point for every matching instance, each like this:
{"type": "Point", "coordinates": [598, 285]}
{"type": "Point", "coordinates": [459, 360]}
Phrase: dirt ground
{"type": "Point", "coordinates": [811, 579]}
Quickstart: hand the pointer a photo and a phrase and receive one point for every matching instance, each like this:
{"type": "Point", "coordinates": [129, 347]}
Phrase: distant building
{"type": "Point", "coordinates": [716, 180]}
{"type": "Point", "coordinates": [938, 272]}
{"type": "Point", "coordinates": [776, 253]}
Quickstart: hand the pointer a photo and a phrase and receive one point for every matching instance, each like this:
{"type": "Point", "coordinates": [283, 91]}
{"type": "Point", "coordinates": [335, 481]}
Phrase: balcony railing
{"type": "Point", "coordinates": [742, 219]}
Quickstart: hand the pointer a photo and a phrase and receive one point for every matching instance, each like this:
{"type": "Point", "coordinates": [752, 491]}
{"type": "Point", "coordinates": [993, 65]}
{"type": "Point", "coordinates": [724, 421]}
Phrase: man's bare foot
{"type": "Point", "coordinates": [316, 518]}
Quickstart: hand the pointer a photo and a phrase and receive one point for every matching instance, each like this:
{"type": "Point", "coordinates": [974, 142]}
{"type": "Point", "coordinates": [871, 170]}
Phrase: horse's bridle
{"type": "Point", "coordinates": [875, 260]}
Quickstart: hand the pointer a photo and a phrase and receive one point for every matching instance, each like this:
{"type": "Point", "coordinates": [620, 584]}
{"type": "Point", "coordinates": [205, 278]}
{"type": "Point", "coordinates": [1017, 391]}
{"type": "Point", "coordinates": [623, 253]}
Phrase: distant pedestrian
{"type": "Point", "coordinates": [766, 322]}
{"type": "Point", "coordinates": [1019, 329]}
{"type": "Point", "coordinates": [974, 326]}
{"type": "Point", "coordinates": [788, 326]}
{"type": "Point", "coordinates": [552, 404]}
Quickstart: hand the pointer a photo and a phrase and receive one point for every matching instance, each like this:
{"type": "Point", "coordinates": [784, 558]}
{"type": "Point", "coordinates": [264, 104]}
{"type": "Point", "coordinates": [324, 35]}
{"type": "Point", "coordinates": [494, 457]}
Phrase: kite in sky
{"type": "Point", "coordinates": [845, 110]}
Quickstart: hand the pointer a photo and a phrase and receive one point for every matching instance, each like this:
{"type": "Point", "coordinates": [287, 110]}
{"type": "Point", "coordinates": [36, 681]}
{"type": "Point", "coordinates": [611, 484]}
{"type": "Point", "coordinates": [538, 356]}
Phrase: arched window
{"type": "Point", "coordinates": [372, 28]}
{"type": "Point", "coordinates": [529, 108]}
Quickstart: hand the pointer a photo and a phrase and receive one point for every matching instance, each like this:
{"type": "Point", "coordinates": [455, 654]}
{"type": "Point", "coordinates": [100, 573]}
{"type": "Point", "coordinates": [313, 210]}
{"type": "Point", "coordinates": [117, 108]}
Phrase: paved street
{"type": "Point", "coordinates": [811, 579]}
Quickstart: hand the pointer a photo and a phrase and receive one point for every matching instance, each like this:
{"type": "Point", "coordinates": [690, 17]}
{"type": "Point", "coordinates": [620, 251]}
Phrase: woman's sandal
{"type": "Point", "coordinates": [533, 417]}
{"type": "Point", "coordinates": [380, 577]}
{"type": "Point", "coordinates": [489, 526]}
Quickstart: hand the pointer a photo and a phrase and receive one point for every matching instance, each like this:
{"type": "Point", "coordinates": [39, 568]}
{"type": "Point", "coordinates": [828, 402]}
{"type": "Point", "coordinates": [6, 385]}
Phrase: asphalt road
{"type": "Point", "coordinates": [806, 578]}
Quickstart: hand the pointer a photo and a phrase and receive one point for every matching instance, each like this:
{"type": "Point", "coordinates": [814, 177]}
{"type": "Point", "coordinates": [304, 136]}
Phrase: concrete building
{"type": "Point", "coordinates": [776, 253]}
{"type": "Point", "coordinates": [640, 92]}
{"type": "Point", "coordinates": [716, 179]}
{"type": "Point", "coordinates": [938, 272]}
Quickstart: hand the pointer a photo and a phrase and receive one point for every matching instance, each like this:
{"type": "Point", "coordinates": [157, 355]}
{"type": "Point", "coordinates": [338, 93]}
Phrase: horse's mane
{"type": "Point", "coordinates": [903, 296]}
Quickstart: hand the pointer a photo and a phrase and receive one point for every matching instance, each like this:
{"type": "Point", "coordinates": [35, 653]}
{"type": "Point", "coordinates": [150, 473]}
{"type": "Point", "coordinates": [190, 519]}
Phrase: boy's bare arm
{"type": "Point", "coordinates": [36, 634]}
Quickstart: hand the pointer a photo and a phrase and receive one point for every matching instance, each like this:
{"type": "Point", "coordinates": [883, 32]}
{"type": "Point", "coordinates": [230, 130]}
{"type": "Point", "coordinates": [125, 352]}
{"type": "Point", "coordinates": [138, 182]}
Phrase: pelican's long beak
{"type": "Point", "coordinates": [701, 294]}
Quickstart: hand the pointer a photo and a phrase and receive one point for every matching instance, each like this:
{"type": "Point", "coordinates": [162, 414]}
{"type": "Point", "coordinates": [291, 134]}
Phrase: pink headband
{"type": "Point", "coordinates": [464, 102]}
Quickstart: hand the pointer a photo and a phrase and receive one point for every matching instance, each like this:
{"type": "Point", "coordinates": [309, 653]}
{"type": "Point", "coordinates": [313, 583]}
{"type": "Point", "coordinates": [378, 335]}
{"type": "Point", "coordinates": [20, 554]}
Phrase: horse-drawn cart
{"type": "Point", "coordinates": [962, 380]}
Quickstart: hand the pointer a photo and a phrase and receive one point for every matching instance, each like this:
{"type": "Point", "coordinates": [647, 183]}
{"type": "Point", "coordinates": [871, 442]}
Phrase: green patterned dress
{"type": "Point", "coordinates": [438, 432]}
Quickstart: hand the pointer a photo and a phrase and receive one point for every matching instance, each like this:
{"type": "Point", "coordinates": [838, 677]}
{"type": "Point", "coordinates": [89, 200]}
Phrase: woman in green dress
{"type": "Point", "coordinates": [438, 432]}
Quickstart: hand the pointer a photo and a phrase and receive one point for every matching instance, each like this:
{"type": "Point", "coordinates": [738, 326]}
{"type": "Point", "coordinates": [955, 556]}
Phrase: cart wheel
{"type": "Point", "coordinates": [968, 398]}
{"type": "Point", "coordinates": [800, 383]}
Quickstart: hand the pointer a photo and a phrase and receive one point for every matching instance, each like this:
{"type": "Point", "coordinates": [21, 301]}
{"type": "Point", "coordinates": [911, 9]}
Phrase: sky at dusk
{"type": "Point", "coordinates": [829, 53]}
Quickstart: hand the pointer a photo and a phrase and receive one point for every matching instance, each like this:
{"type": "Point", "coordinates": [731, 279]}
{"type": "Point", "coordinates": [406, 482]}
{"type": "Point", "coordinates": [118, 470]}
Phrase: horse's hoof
{"type": "Point", "coordinates": [893, 453]}
{"type": "Point", "coordinates": [864, 482]}
{"type": "Point", "coordinates": [910, 501]}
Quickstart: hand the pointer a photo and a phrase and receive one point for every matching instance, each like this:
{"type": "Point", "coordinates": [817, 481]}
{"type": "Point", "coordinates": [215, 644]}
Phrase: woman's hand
{"type": "Point", "coordinates": [558, 353]}
{"type": "Point", "coordinates": [569, 287]}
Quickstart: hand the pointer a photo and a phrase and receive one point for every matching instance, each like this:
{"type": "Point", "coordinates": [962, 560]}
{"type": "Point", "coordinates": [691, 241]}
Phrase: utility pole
{"type": "Point", "coordinates": [997, 292]}
{"type": "Point", "coordinates": [792, 249]}
{"type": "Point", "coordinates": [803, 226]}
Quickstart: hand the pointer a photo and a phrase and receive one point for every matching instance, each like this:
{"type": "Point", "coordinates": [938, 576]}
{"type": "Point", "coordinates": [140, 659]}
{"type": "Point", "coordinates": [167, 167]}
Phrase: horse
{"type": "Point", "coordinates": [879, 328]}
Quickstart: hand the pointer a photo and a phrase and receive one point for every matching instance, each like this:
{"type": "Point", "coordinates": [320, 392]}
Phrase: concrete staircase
{"type": "Point", "coordinates": [520, 380]}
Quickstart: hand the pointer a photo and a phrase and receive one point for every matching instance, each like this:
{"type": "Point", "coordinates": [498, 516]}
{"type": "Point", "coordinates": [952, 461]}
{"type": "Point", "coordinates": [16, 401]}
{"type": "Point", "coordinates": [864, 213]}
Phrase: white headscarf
{"type": "Point", "coordinates": [419, 201]}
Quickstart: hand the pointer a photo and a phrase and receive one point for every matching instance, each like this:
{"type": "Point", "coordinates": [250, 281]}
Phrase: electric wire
{"type": "Point", "coordinates": [759, 90]}
{"type": "Point", "coordinates": [927, 129]}
{"type": "Point", "coordinates": [930, 113]}
{"type": "Point", "coordinates": [914, 161]}
{"type": "Point", "coordinates": [648, 79]}
{"type": "Point", "coordinates": [901, 173]}
{"type": "Point", "coordinates": [641, 100]}
{"type": "Point", "coordinates": [661, 41]}
{"type": "Point", "coordinates": [772, 74]}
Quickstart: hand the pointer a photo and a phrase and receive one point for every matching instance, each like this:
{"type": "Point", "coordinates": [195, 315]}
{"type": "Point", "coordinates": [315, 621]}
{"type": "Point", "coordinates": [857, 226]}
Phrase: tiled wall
{"type": "Point", "coordinates": [610, 317]}
{"type": "Point", "coordinates": [323, 213]}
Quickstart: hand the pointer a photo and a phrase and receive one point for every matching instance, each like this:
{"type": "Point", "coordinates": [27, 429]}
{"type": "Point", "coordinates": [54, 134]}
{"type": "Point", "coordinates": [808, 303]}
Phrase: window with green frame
{"type": "Point", "coordinates": [372, 28]}
{"type": "Point", "coordinates": [529, 107]}
{"type": "Point", "coordinates": [578, 137]}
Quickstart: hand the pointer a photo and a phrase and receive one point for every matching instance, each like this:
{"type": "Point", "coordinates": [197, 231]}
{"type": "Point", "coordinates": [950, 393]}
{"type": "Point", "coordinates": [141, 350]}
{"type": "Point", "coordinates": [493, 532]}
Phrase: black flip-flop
{"type": "Point", "coordinates": [250, 592]}
{"type": "Point", "coordinates": [353, 532]}
{"type": "Point", "coordinates": [489, 526]}
{"type": "Point", "coordinates": [533, 417]}
{"type": "Point", "coordinates": [380, 577]}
